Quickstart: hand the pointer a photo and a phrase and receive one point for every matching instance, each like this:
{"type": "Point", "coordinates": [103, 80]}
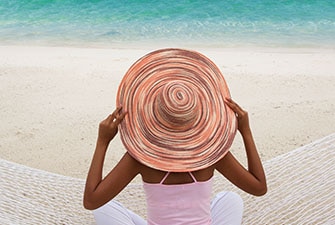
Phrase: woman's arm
{"type": "Point", "coordinates": [252, 180]}
{"type": "Point", "coordinates": [99, 191]}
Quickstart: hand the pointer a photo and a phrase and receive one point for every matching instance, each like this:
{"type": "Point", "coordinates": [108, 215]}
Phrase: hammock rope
{"type": "Point", "coordinates": [300, 191]}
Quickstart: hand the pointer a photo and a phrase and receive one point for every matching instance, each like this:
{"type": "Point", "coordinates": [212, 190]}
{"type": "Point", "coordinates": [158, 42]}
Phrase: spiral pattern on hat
{"type": "Point", "coordinates": [177, 120]}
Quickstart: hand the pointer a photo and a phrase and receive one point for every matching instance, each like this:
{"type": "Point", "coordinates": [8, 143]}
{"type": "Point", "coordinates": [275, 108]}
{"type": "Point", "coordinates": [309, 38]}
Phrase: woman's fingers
{"type": "Point", "coordinates": [234, 106]}
{"type": "Point", "coordinates": [242, 115]}
{"type": "Point", "coordinates": [119, 117]}
{"type": "Point", "coordinates": [116, 116]}
{"type": "Point", "coordinates": [109, 127]}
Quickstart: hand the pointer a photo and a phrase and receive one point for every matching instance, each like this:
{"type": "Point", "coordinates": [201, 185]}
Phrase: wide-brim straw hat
{"type": "Point", "coordinates": [177, 119]}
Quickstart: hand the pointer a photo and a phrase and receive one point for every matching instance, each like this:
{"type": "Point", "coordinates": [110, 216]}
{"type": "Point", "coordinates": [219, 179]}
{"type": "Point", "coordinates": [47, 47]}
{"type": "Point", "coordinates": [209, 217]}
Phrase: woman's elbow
{"type": "Point", "coordinates": [261, 189]}
{"type": "Point", "coordinates": [89, 203]}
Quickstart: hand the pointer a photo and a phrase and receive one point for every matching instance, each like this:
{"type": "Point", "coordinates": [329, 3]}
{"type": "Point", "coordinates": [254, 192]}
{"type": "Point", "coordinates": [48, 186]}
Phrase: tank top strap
{"type": "Point", "coordinates": [191, 174]}
{"type": "Point", "coordinates": [168, 173]}
{"type": "Point", "coordinates": [164, 178]}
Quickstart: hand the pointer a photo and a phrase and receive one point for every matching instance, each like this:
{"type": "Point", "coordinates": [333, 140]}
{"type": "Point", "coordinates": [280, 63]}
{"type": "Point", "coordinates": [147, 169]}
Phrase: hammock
{"type": "Point", "coordinates": [301, 190]}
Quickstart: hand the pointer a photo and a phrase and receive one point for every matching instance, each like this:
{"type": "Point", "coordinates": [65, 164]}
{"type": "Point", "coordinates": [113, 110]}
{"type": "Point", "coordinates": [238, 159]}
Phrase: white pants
{"type": "Point", "coordinates": [226, 209]}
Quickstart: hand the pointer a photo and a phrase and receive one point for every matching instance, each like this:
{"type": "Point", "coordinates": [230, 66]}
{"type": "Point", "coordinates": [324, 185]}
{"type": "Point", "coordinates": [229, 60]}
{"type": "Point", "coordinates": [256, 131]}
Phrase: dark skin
{"type": "Point", "coordinates": [99, 190]}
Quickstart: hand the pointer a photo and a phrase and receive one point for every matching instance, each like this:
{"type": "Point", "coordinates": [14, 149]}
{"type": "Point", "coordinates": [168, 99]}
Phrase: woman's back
{"type": "Point", "coordinates": [187, 203]}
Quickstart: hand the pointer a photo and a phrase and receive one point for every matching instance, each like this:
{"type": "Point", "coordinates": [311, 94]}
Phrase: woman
{"type": "Point", "coordinates": [177, 122]}
{"type": "Point", "coordinates": [226, 208]}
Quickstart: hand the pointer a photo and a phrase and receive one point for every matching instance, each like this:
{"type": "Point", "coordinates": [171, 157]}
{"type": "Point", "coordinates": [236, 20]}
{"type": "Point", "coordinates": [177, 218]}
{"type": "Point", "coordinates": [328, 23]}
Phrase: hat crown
{"type": "Point", "coordinates": [176, 106]}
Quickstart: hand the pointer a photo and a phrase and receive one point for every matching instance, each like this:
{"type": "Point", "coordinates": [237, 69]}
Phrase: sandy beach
{"type": "Point", "coordinates": [53, 98]}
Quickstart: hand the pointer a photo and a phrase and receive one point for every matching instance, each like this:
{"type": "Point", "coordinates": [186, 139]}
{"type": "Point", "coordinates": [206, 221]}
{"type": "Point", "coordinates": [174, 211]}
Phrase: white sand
{"type": "Point", "coordinates": [52, 100]}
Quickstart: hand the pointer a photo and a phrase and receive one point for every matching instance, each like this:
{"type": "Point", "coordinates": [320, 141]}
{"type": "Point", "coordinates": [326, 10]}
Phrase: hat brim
{"type": "Point", "coordinates": [188, 86]}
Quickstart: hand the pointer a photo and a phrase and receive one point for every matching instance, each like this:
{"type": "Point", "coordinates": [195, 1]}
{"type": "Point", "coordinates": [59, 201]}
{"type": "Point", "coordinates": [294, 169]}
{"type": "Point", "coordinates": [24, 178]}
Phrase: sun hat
{"type": "Point", "coordinates": [177, 119]}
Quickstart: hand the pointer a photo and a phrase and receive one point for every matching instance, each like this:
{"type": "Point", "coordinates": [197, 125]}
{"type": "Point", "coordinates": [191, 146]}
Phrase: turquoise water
{"type": "Point", "coordinates": [302, 23]}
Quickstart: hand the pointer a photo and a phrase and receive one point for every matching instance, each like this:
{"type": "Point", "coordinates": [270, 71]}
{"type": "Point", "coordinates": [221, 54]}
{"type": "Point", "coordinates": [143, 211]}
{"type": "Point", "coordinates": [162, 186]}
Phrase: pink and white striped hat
{"type": "Point", "coordinates": [177, 119]}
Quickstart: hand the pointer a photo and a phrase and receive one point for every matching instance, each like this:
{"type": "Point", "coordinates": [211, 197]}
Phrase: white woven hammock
{"type": "Point", "coordinates": [301, 190]}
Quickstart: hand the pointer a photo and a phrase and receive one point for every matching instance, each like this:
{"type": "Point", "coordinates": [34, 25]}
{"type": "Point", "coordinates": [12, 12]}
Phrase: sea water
{"type": "Point", "coordinates": [213, 23]}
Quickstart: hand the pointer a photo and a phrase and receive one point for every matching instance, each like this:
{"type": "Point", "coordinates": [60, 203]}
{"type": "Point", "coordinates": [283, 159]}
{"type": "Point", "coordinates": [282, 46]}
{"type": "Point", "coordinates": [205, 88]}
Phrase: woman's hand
{"type": "Point", "coordinates": [242, 115]}
{"type": "Point", "coordinates": [108, 128]}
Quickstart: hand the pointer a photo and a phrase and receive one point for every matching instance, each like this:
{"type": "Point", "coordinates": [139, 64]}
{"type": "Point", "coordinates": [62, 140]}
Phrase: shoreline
{"type": "Point", "coordinates": [145, 45]}
{"type": "Point", "coordinates": [54, 97]}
